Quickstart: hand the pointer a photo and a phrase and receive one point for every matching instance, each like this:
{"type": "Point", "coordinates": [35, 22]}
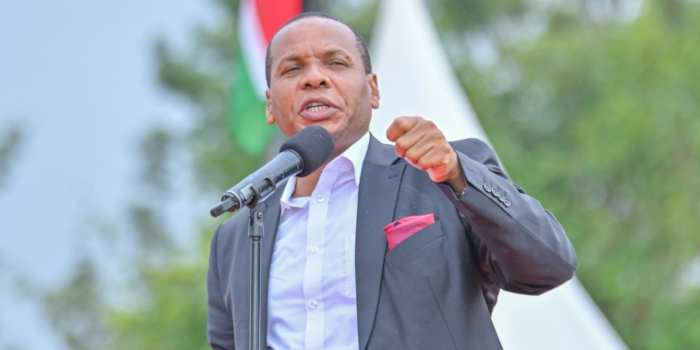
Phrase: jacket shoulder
{"type": "Point", "coordinates": [476, 149]}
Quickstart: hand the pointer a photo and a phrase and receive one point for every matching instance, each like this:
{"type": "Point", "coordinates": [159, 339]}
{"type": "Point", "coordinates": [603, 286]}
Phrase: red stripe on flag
{"type": "Point", "coordinates": [272, 14]}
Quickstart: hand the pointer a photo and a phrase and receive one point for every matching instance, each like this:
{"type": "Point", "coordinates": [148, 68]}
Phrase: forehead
{"type": "Point", "coordinates": [313, 33]}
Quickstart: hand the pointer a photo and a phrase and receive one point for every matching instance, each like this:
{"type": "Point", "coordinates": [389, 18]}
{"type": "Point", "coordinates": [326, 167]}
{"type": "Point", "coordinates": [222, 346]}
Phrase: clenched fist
{"type": "Point", "coordinates": [423, 145]}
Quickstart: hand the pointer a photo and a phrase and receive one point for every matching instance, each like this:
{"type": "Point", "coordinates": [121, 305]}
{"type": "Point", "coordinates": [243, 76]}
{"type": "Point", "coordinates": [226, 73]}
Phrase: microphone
{"type": "Point", "coordinates": [300, 155]}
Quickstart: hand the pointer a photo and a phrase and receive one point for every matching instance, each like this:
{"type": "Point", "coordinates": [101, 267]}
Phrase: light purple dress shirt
{"type": "Point", "coordinates": [311, 297]}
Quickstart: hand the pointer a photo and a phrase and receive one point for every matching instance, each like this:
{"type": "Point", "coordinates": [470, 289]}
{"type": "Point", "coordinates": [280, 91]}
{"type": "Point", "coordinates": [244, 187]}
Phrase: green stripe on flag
{"type": "Point", "coordinates": [247, 119]}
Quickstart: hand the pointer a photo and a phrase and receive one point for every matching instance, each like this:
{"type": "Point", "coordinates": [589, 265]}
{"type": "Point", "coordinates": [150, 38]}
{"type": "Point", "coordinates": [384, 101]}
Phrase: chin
{"type": "Point", "coordinates": [328, 124]}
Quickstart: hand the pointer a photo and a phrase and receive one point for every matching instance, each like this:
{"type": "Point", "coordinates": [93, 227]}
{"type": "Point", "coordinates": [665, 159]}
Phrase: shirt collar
{"type": "Point", "coordinates": [356, 154]}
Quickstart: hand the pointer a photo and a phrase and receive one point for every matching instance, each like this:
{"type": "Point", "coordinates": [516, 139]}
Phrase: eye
{"type": "Point", "coordinates": [337, 63]}
{"type": "Point", "coordinates": [291, 69]}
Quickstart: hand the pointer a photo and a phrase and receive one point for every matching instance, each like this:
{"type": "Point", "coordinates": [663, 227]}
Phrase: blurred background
{"type": "Point", "coordinates": [115, 139]}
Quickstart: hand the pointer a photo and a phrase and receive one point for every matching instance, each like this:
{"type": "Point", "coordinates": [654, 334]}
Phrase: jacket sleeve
{"type": "Point", "coordinates": [521, 247]}
{"type": "Point", "coordinates": [219, 322]}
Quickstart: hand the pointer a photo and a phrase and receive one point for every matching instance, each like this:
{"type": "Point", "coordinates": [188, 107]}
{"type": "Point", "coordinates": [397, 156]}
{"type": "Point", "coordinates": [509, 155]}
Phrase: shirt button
{"type": "Point", "coordinates": [313, 304]}
{"type": "Point", "coordinates": [313, 249]}
{"type": "Point", "coordinates": [321, 199]}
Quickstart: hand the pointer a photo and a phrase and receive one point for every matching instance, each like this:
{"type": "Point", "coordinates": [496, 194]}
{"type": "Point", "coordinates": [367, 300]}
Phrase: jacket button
{"type": "Point", "coordinates": [487, 188]}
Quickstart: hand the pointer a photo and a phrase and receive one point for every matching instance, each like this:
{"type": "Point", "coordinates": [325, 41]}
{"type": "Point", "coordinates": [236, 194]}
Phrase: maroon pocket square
{"type": "Point", "coordinates": [405, 227]}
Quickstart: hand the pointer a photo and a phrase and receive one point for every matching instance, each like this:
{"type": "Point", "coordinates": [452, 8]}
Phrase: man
{"type": "Point", "coordinates": [385, 247]}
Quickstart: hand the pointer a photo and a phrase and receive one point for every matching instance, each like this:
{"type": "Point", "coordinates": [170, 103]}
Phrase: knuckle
{"type": "Point", "coordinates": [437, 131]}
{"type": "Point", "coordinates": [440, 142]}
{"type": "Point", "coordinates": [401, 143]}
{"type": "Point", "coordinates": [438, 137]}
{"type": "Point", "coordinates": [407, 123]}
{"type": "Point", "coordinates": [402, 122]}
{"type": "Point", "coordinates": [424, 162]}
{"type": "Point", "coordinates": [445, 148]}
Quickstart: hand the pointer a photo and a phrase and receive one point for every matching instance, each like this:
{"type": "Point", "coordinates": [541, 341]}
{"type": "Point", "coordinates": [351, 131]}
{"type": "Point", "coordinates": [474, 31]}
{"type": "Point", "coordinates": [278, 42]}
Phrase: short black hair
{"type": "Point", "coordinates": [360, 43]}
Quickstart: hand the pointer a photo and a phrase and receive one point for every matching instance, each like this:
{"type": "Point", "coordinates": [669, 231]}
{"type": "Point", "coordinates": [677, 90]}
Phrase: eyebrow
{"type": "Point", "coordinates": [337, 52]}
{"type": "Point", "coordinates": [330, 53]}
{"type": "Point", "coordinates": [291, 57]}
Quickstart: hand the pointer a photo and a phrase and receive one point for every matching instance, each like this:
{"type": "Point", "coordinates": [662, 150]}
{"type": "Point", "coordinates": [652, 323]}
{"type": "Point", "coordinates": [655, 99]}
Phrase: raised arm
{"type": "Point", "coordinates": [520, 245]}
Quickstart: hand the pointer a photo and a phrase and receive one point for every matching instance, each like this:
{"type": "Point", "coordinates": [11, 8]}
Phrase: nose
{"type": "Point", "coordinates": [315, 77]}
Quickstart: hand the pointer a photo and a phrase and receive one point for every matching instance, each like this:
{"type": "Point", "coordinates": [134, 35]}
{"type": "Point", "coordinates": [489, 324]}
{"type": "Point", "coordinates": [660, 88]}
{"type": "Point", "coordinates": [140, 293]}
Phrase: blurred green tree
{"type": "Point", "coordinates": [599, 116]}
{"type": "Point", "coordinates": [11, 138]}
{"type": "Point", "coordinates": [592, 105]}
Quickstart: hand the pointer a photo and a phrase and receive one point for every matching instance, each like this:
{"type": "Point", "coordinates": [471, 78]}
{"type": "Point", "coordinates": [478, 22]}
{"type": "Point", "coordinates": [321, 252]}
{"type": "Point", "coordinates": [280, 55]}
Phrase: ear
{"type": "Point", "coordinates": [269, 118]}
{"type": "Point", "coordinates": [373, 90]}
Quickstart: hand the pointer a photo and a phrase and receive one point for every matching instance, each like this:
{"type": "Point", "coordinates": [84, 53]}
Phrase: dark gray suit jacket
{"type": "Point", "coordinates": [437, 288]}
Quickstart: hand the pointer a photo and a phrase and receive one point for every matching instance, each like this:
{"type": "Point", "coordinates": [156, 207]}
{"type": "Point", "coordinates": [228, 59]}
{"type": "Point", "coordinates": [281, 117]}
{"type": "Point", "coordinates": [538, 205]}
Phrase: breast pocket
{"type": "Point", "coordinates": [417, 245]}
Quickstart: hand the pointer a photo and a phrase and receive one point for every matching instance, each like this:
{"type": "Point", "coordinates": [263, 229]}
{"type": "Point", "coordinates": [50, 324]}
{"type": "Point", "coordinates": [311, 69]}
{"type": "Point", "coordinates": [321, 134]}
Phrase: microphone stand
{"type": "Point", "coordinates": [252, 198]}
{"type": "Point", "coordinates": [255, 233]}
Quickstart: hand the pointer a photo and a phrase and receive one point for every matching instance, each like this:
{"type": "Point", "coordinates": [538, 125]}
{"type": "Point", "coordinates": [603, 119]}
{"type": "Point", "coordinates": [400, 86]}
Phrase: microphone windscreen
{"type": "Point", "coordinates": [314, 145]}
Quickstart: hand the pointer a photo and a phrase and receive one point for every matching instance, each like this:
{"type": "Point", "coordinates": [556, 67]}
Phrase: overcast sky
{"type": "Point", "coordinates": [79, 75]}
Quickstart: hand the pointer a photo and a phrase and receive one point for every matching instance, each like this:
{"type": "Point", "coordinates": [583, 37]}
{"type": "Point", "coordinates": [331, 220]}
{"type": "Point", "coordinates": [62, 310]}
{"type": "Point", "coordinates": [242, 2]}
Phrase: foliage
{"type": "Point", "coordinates": [601, 123]}
{"type": "Point", "coordinates": [11, 139]}
{"type": "Point", "coordinates": [161, 303]}
{"type": "Point", "coordinates": [593, 111]}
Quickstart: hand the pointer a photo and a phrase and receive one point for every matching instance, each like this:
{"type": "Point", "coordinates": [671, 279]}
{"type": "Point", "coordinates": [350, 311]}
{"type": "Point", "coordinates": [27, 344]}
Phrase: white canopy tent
{"type": "Point", "coordinates": [415, 78]}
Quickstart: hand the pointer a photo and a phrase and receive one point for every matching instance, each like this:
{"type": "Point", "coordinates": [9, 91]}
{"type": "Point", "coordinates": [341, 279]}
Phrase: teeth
{"type": "Point", "coordinates": [316, 106]}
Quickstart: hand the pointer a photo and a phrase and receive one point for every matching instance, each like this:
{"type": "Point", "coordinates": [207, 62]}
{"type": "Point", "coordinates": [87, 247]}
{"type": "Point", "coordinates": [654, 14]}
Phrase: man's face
{"type": "Point", "coordinates": [317, 77]}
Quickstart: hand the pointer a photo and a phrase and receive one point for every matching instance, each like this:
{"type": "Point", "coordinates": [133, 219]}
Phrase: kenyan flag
{"type": "Point", "coordinates": [258, 21]}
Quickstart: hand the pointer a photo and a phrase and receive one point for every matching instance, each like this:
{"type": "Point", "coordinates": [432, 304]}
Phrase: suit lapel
{"type": "Point", "coordinates": [379, 185]}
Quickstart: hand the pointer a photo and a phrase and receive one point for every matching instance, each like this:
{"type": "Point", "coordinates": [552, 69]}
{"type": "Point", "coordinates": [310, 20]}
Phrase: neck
{"type": "Point", "coordinates": [306, 185]}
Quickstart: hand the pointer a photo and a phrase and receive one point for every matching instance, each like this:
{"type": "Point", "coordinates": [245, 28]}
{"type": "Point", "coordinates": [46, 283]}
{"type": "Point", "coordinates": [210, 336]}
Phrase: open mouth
{"type": "Point", "coordinates": [317, 110]}
{"type": "Point", "coordinates": [316, 107]}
